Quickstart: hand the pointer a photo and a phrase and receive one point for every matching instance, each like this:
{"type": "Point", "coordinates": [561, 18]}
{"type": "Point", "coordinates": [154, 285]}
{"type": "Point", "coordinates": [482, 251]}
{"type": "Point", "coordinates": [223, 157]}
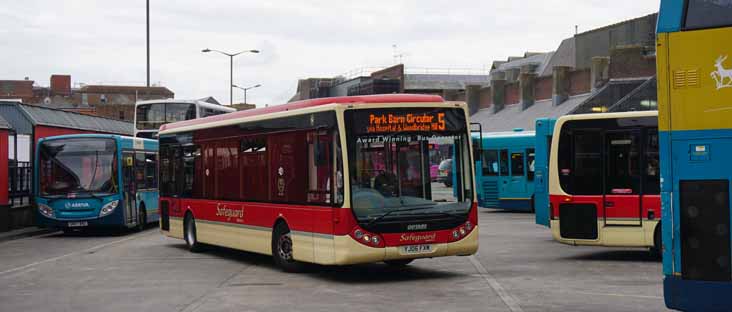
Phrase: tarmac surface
{"type": "Point", "coordinates": [518, 268]}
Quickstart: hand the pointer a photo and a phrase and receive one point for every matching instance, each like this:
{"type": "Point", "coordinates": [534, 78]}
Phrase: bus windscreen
{"type": "Point", "coordinates": [77, 166]}
{"type": "Point", "coordinates": [408, 162]}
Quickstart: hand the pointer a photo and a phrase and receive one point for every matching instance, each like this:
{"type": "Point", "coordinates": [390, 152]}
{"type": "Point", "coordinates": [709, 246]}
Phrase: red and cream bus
{"type": "Point", "coordinates": [331, 181]}
{"type": "Point", "coordinates": [604, 180]}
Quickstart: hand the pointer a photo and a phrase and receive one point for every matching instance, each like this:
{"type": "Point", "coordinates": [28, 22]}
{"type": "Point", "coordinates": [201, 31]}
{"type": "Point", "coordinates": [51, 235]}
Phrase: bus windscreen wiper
{"type": "Point", "coordinates": [390, 212]}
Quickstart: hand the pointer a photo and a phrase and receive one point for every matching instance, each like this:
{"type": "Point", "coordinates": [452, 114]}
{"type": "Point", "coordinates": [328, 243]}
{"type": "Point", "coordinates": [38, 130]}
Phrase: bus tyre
{"type": "Point", "coordinates": [141, 219]}
{"type": "Point", "coordinates": [282, 249]}
{"type": "Point", "coordinates": [399, 263]}
{"type": "Point", "coordinates": [657, 243]}
{"type": "Point", "coordinates": [190, 234]}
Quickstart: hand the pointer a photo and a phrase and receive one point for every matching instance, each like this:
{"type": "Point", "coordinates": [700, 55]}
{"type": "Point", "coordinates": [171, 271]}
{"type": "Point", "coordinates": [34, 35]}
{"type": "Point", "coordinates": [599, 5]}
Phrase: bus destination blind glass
{"type": "Point", "coordinates": [388, 122]}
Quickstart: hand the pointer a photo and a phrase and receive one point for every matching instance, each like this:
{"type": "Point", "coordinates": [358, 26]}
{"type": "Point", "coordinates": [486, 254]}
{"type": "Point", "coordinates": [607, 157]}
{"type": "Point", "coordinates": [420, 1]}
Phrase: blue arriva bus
{"type": "Point", "coordinates": [506, 172]}
{"type": "Point", "coordinates": [694, 62]}
{"type": "Point", "coordinates": [544, 132]}
{"type": "Point", "coordinates": [96, 180]}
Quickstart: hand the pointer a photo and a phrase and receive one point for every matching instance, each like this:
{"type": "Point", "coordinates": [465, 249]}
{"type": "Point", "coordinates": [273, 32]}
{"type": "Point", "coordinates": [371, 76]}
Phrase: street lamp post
{"type": "Point", "coordinates": [231, 72]}
{"type": "Point", "coordinates": [245, 90]}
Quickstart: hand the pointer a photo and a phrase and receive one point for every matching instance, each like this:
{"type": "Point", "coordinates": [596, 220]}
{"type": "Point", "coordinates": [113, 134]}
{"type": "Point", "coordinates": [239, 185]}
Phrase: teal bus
{"type": "Point", "coordinates": [96, 180]}
{"type": "Point", "coordinates": [544, 131]}
{"type": "Point", "coordinates": [505, 171]}
{"type": "Point", "coordinates": [694, 62]}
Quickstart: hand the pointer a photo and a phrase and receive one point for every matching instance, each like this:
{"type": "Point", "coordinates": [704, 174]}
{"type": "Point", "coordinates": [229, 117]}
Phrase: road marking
{"type": "Point", "coordinates": [30, 265]}
{"type": "Point", "coordinates": [613, 295]}
{"type": "Point", "coordinates": [509, 300]}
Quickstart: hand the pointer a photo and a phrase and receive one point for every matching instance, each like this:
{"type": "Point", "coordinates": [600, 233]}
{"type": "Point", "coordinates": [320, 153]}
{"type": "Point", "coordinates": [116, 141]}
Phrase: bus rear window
{"type": "Point", "coordinates": [708, 14]}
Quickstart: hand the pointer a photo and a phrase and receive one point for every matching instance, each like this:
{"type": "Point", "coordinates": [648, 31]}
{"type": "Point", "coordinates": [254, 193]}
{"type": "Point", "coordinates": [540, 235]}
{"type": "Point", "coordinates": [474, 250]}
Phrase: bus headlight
{"type": "Point", "coordinates": [45, 210]}
{"type": "Point", "coordinates": [109, 208]}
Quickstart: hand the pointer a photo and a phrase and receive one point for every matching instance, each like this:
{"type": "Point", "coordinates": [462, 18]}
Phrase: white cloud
{"type": "Point", "coordinates": [104, 41]}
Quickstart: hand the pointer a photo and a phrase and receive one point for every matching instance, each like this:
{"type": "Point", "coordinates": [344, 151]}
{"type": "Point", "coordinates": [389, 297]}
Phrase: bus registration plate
{"type": "Point", "coordinates": [416, 249]}
{"type": "Point", "coordinates": [78, 224]}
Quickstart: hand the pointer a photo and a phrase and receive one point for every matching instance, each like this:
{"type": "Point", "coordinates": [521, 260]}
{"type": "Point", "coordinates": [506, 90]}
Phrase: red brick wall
{"type": "Point", "coordinates": [61, 85]}
{"type": "Point", "coordinates": [486, 100]}
{"type": "Point", "coordinates": [579, 82]}
{"type": "Point", "coordinates": [4, 166]}
{"type": "Point", "coordinates": [512, 94]}
{"type": "Point", "coordinates": [543, 88]}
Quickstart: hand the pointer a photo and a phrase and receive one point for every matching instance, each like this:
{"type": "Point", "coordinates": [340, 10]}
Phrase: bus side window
{"type": "Point", "coordinates": [530, 157]}
{"type": "Point", "coordinates": [504, 162]}
{"type": "Point", "coordinates": [490, 163]}
{"type": "Point", "coordinates": [517, 164]}
{"type": "Point", "coordinates": [140, 170]}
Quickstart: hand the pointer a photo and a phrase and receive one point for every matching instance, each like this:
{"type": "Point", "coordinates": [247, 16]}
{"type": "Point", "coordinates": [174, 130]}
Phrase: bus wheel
{"type": "Point", "coordinates": [141, 218]}
{"type": "Point", "coordinates": [533, 204]}
{"type": "Point", "coordinates": [399, 263]}
{"type": "Point", "coordinates": [190, 234]}
{"type": "Point", "coordinates": [282, 249]}
{"type": "Point", "coordinates": [657, 243]}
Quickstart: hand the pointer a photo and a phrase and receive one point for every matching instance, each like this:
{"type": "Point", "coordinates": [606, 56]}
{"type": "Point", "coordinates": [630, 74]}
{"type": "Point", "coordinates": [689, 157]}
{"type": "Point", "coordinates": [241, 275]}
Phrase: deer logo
{"type": "Point", "coordinates": [722, 76]}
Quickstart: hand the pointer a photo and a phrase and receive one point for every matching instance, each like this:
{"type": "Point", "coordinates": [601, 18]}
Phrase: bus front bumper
{"type": "Point", "coordinates": [690, 295]}
{"type": "Point", "coordinates": [95, 222]}
{"type": "Point", "coordinates": [349, 251]}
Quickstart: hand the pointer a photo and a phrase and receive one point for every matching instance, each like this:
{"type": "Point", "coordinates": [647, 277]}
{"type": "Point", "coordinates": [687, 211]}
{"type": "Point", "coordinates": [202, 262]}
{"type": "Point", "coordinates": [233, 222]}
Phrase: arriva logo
{"type": "Point", "coordinates": [722, 76]}
{"type": "Point", "coordinates": [76, 205]}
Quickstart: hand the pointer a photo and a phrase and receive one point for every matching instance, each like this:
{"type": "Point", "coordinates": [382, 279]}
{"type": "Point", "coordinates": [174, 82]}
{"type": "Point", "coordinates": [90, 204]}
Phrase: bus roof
{"type": "Point", "coordinates": [344, 100]}
{"type": "Point", "coordinates": [94, 135]}
{"type": "Point", "coordinates": [607, 116]}
{"type": "Point", "coordinates": [199, 102]}
{"type": "Point", "coordinates": [505, 134]}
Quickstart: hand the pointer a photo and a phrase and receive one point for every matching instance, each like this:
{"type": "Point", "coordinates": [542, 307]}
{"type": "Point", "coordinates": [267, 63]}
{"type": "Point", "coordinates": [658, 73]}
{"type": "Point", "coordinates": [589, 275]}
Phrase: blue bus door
{"type": "Point", "coordinates": [130, 188]}
{"type": "Point", "coordinates": [503, 174]}
{"type": "Point", "coordinates": [544, 132]}
{"type": "Point", "coordinates": [517, 184]}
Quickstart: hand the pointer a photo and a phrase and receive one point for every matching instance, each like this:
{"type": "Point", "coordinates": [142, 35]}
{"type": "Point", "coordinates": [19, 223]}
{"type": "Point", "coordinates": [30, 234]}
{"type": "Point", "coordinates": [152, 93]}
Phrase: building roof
{"type": "Point", "coordinates": [538, 59]}
{"type": "Point", "coordinates": [344, 100]}
{"type": "Point", "coordinates": [4, 123]}
{"type": "Point", "coordinates": [564, 56]}
{"type": "Point", "coordinates": [512, 116]}
{"type": "Point", "coordinates": [64, 119]}
{"type": "Point", "coordinates": [163, 91]}
{"type": "Point", "coordinates": [442, 82]}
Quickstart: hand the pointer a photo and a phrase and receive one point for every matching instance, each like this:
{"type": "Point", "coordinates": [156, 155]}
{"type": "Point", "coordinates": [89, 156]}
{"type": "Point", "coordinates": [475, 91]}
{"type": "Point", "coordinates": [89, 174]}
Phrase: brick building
{"type": "Point", "coordinates": [110, 101]}
{"type": "Point", "coordinates": [448, 83]}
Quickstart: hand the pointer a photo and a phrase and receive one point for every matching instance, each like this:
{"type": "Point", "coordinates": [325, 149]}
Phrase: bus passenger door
{"type": "Point", "coordinates": [503, 174]}
{"type": "Point", "coordinates": [622, 178]}
{"type": "Point", "coordinates": [517, 184]}
{"type": "Point", "coordinates": [130, 187]}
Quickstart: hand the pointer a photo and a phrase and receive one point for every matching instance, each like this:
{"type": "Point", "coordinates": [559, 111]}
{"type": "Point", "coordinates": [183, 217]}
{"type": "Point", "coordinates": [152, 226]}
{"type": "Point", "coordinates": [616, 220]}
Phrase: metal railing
{"type": "Point", "coordinates": [20, 183]}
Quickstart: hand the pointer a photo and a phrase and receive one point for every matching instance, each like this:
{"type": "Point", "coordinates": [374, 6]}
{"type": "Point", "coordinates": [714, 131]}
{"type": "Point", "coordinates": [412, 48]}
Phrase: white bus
{"type": "Point", "coordinates": [150, 115]}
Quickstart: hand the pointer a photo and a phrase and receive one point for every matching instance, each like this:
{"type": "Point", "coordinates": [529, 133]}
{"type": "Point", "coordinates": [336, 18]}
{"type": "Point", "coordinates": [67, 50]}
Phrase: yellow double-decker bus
{"type": "Point", "coordinates": [695, 129]}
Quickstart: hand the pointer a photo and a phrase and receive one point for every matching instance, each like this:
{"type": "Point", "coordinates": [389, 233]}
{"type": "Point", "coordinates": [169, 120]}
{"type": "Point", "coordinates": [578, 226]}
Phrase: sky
{"type": "Point", "coordinates": [103, 42]}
